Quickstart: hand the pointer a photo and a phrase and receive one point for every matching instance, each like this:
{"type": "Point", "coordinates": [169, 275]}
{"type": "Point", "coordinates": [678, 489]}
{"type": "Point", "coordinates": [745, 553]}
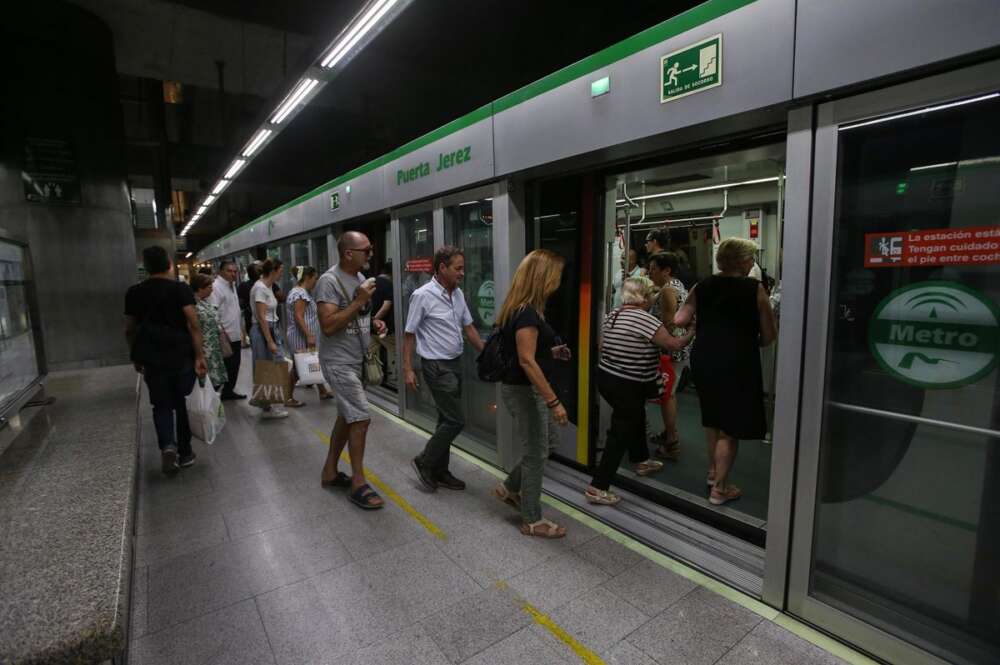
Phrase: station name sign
{"type": "Point", "coordinates": [445, 161]}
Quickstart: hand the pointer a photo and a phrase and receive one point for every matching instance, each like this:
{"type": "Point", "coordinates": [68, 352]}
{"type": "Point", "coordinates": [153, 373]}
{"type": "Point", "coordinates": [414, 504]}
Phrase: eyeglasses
{"type": "Point", "coordinates": [367, 250]}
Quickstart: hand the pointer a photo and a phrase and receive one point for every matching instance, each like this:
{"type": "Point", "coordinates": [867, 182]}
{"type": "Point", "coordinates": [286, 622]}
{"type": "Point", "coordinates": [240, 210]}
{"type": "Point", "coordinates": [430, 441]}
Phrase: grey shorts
{"type": "Point", "coordinates": [349, 393]}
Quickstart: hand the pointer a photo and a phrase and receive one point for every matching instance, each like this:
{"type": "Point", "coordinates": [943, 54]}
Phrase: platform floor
{"type": "Point", "coordinates": [244, 558]}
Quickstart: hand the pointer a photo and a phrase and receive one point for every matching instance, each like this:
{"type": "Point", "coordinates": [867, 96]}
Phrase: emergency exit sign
{"type": "Point", "coordinates": [691, 69]}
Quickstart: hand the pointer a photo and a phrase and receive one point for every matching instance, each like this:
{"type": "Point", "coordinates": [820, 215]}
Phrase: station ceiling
{"type": "Point", "coordinates": [438, 60]}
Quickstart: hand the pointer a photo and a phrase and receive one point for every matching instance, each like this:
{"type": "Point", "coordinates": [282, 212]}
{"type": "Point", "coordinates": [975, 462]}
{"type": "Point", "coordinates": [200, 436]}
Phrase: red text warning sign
{"type": "Point", "coordinates": [966, 246]}
{"type": "Point", "coordinates": [420, 264]}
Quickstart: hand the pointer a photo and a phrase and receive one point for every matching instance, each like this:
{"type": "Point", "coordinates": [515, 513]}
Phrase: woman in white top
{"type": "Point", "coordinates": [302, 329]}
{"type": "Point", "coordinates": [263, 335]}
{"type": "Point", "coordinates": [628, 375]}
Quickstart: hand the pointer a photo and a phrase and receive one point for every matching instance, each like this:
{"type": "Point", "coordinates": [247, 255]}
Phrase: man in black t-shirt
{"type": "Point", "coordinates": [382, 311]}
{"type": "Point", "coordinates": [165, 344]}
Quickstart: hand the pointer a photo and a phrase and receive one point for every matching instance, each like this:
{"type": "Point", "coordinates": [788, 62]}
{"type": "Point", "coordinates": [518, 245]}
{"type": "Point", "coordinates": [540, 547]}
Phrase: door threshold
{"type": "Point", "coordinates": [731, 560]}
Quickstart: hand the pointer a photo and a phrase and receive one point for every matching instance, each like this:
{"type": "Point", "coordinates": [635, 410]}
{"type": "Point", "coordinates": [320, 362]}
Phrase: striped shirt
{"type": "Point", "coordinates": [296, 338]}
{"type": "Point", "coordinates": [627, 350]}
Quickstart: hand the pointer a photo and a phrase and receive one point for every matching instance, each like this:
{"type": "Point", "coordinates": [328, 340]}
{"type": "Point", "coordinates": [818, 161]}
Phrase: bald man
{"type": "Point", "coordinates": [343, 298]}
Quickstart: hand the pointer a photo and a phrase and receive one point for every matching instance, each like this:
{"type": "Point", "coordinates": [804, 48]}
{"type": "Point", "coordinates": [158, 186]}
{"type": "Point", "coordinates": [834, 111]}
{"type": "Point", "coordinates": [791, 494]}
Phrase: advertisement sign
{"type": "Point", "coordinates": [936, 334]}
{"type": "Point", "coordinates": [965, 246]}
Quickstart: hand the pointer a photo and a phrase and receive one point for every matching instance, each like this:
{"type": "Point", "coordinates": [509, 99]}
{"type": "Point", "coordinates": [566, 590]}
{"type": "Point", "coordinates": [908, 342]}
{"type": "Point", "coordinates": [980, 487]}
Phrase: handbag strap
{"type": "Point", "coordinates": [354, 322]}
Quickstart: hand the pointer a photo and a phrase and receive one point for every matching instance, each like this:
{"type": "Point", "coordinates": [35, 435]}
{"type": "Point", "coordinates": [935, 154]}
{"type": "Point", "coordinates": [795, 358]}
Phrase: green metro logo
{"type": "Point", "coordinates": [936, 334]}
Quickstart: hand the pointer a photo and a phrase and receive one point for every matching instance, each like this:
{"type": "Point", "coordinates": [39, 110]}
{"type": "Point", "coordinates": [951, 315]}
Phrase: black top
{"type": "Point", "coordinates": [159, 303]}
{"type": "Point", "coordinates": [383, 292]}
{"type": "Point", "coordinates": [725, 359]}
{"type": "Point", "coordinates": [547, 338]}
{"type": "Point", "coordinates": [243, 293]}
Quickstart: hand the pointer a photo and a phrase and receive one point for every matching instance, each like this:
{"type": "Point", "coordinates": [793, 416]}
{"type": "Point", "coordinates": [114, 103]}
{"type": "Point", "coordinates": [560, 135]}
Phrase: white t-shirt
{"type": "Point", "coordinates": [261, 292]}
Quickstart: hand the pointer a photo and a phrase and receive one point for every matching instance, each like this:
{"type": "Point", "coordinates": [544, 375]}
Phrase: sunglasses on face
{"type": "Point", "coordinates": [367, 250]}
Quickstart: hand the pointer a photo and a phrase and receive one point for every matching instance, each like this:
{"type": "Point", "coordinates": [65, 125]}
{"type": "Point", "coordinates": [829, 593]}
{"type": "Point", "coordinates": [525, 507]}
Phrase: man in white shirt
{"type": "Point", "coordinates": [225, 298]}
{"type": "Point", "coordinates": [438, 315]}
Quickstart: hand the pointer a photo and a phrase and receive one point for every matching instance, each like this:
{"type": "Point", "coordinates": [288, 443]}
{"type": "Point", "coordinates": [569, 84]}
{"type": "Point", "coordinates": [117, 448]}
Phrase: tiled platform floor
{"type": "Point", "coordinates": [245, 559]}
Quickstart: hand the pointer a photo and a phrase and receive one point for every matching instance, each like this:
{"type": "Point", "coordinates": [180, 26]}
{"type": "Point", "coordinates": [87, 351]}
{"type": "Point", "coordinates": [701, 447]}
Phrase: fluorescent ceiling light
{"type": "Point", "coordinates": [209, 200]}
{"type": "Point", "coordinates": [359, 30]}
{"type": "Point", "coordinates": [934, 166]}
{"type": "Point", "coordinates": [237, 165]}
{"type": "Point", "coordinates": [287, 106]}
{"type": "Point", "coordinates": [928, 109]}
{"type": "Point", "coordinates": [219, 186]}
{"type": "Point", "coordinates": [255, 143]}
{"type": "Point", "coordinates": [702, 189]}
{"type": "Point", "coordinates": [188, 255]}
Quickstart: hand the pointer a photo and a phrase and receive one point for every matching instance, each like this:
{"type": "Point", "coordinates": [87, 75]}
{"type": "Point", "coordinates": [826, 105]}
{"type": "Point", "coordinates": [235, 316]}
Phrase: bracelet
{"type": "Point", "coordinates": [553, 404]}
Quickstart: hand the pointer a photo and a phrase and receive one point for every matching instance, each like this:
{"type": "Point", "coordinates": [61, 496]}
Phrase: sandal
{"type": "Point", "coordinates": [648, 467]}
{"type": "Point", "coordinates": [719, 497]}
{"type": "Point", "coordinates": [710, 480]}
{"type": "Point", "coordinates": [512, 499]}
{"type": "Point", "coordinates": [365, 497]}
{"type": "Point", "coordinates": [670, 451]}
{"type": "Point", "coordinates": [340, 480]}
{"type": "Point", "coordinates": [601, 497]}
{"type": "Point", "coordinates": [294, 403]}
{"type": "Point", "coordinates": [552, 530]}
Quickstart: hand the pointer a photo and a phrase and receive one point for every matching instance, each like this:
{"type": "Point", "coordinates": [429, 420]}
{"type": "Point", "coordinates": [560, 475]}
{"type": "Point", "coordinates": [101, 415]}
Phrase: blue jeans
{"type": "Point", "coordinates": [167, 392]}
{"type": "Point", "coordinates": [536, 429]}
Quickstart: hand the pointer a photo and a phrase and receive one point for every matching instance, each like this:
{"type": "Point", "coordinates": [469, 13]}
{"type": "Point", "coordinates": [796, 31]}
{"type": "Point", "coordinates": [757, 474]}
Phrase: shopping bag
{"type": "Point", "coordinates": [308, 368]}
{"type": "Point", "coordinates": [270, 381]}
{"type": "Point", "coordinates": [206, 415]}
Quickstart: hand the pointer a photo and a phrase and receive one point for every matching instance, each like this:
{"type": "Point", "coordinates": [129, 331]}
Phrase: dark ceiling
{"type": "Point", "coordinates": [437, 61]}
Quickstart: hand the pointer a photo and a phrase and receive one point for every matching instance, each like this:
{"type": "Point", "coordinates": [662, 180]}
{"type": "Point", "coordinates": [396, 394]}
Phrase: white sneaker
{"type": "Point", "coordinates": [274, 414]}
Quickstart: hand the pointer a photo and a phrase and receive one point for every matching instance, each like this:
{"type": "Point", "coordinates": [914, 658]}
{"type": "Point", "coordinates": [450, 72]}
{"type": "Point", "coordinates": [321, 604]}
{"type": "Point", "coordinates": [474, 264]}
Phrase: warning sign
{"type": "Point", "coordinates": [420, 264]}
{"type": "Point", "coordinates": [966, 246]}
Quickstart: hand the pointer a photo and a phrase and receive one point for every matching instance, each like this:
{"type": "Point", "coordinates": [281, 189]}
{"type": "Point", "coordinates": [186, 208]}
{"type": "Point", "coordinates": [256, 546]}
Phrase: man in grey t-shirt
{"type": "Point", "coordinates": [343, 299]}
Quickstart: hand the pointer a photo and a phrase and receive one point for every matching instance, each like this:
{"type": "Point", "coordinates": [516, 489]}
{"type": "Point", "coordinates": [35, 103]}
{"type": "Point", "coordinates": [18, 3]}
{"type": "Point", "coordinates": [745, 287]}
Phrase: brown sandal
{"type": "Point", "coordinates": [552, 530]}
{"type": "Point", "coordinates": [512, 499]}
{"type": "Point", "coordinates": [721, 496]}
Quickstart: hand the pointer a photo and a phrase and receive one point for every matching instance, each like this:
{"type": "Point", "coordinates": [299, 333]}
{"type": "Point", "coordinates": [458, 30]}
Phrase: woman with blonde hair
{"type": "Point", "coordinates": [627, 375]}
{"type": "Point", "coordinates": [733, 320]}
{"type": "Point", "coordinates": [526, 391]}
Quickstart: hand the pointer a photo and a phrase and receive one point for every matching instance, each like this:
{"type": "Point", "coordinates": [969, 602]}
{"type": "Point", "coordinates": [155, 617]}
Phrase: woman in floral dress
{"type": "Point", "coordinates": [208, 319]}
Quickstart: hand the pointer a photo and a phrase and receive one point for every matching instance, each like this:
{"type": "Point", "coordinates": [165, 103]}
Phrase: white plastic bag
{"type": "Point", "coordinates": [206, 415]}
{"type": "Point", "coordinates": [308, 368]}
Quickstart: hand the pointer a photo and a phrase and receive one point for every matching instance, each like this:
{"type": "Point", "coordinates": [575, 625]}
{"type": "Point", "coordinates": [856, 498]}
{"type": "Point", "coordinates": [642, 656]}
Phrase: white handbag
{"type": "Point", "coordinates": [308, 368]}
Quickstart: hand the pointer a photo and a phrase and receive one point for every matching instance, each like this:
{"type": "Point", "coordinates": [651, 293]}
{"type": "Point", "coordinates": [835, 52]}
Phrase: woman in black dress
{"type": "Point", "coordinates": [733, 319]}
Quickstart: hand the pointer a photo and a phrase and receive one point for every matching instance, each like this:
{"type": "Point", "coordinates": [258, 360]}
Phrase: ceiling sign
{"type": "Point", "coordinates": [936, 334]}
{"type": "Point", "coordinates": [964, 246]}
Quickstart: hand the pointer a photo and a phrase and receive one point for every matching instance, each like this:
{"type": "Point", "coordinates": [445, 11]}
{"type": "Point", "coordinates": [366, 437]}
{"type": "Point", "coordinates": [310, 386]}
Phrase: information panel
{"type": "Point", "coordinates": [965, 246]}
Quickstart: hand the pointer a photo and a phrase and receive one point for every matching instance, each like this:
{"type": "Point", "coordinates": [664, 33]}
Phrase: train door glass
{"type": "Point", "coordinates": [320, 255]}
{"type": "Point", "coordinates": [469, 225]}
{"type": "Point", "coordinates": [554, 223]}
{"type": "Point", "coordinates": [907, 531]}
{"type": "Point", "coordinates": [687, 208]}
{"type": "Point", "coordinates": [416, 252]}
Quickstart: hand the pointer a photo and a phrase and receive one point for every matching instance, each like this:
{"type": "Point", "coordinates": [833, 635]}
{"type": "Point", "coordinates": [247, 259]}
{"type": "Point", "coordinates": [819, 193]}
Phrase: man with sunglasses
{"type": "Point", "coordinates": [343, 298]}
{"type": "Point", "coordinates": [436, 320]}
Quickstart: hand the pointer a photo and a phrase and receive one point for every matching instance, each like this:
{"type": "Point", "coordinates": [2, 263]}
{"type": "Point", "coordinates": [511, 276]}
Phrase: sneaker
{"type": "Point", "coordinates": [448, 481]}
{"type": "Point", "coordinates": [423, 474]}
{"type": "Point", "coordinates": [168, 460]}
{"type": "Point", "coordinates": [274, 414]}
{"type": "Point", "coordinates": [187, 460]}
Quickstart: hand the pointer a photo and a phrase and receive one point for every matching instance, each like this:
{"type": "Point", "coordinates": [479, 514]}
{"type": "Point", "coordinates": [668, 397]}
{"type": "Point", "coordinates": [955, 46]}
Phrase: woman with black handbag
{"type": "Point", "coordinates": [526, 391]}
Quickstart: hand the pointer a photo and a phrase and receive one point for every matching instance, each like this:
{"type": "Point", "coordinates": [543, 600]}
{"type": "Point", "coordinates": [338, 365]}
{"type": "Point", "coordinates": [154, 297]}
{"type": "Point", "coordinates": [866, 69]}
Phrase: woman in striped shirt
{"type": "Point", "coordinates": [303, 324]}
{"type": "Point", "coordinates": [628, 375]}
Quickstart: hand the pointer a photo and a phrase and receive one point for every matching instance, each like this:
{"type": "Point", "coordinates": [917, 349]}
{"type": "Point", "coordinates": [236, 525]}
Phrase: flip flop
{"type": "Point", "coordinates": [363, 497]}
{"type": "Point", "coordinates": [340, 480]}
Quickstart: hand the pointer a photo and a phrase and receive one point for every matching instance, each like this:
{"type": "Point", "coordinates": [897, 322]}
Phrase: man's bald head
{"type": "Point", "coordinates": [351, 240]}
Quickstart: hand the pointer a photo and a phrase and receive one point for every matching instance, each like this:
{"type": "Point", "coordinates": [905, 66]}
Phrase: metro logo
{"type": "Point", "coordinates": [936, 334]}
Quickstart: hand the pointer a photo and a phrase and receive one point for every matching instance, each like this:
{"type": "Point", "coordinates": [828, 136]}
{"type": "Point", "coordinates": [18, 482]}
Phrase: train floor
{"type": "Point", "coordinates": [245, 558]}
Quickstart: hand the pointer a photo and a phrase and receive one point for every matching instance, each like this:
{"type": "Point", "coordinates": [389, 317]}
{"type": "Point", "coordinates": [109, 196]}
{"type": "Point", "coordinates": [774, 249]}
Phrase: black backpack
{"type": "Point", "coordinates": [497, 357]}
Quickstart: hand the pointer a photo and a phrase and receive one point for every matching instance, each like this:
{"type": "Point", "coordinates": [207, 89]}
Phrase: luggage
{"type": "Point", "coordinates": [206, 415]}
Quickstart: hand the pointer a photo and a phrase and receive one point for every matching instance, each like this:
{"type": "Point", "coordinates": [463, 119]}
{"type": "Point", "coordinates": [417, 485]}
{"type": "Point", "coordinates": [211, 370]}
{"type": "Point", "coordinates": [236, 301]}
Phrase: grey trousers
{"type": "Point", "coordinates": [536, 430]}
{"type": "Point", "coordinates": [444, 379]}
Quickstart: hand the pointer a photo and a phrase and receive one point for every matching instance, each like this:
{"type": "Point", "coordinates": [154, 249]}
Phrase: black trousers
{"type": "Point", "coordinates": [628, 425]}
{"type": "Point", "coordinates": [232, 369]}
{"type": "Point", "coordinates": [167, 393]}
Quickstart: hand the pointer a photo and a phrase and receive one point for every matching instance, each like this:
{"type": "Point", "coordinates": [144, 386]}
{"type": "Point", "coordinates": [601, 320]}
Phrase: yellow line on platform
{"type": "Point", "coordinates": [557, 631]}
{"type": "Point", "coordinates": [391, 494]}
